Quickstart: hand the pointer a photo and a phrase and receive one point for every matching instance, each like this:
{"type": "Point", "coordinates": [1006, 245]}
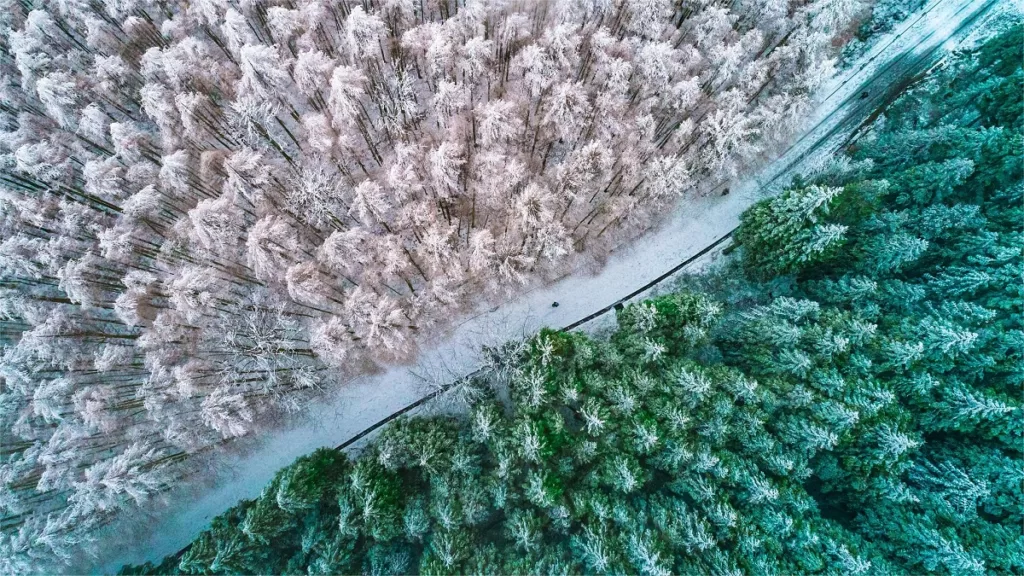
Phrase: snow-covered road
{"type": "Point", "coordinates": [356, 405]}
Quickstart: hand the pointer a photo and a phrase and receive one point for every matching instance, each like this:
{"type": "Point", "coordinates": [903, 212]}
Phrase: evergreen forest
{"type": "Point", "coordinates": [842, 397]}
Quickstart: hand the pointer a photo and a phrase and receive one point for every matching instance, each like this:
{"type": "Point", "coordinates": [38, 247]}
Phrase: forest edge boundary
{"type": "Point", "coordinates": [874, 107]}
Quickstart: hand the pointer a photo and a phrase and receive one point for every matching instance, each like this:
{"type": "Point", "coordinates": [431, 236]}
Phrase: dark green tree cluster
{"type": "Point", "coordinates": [904, 326]}
{"type": "Point", "coordinates": [621, 456]}
{"type": "Point", "coordinates": [866, 420]}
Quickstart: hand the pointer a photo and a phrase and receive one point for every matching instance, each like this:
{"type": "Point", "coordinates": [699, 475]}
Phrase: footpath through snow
{"type": "Point", "coordinates": [842, 105]}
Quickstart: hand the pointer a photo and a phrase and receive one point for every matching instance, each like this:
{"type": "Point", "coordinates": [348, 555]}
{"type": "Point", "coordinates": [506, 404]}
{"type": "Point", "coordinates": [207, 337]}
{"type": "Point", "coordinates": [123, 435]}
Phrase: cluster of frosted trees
{"type": "Point", "coordinates": [866, 421]}
{"type": "Point", "coordinates": [205, 206]}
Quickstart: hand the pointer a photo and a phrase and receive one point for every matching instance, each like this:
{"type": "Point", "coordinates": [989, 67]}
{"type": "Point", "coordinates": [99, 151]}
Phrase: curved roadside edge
{"type": "Point", "coordinates": [440, 391]}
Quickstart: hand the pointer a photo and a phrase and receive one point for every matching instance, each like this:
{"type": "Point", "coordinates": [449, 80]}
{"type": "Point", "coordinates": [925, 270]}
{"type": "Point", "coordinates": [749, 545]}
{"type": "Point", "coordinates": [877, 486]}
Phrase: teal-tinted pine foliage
{"type": "Point", "coordinates": [608, 458]}
{"type": "Point", "coordinates": [867, 421]}
{"type": "Point", "coordinates": [907, 339]}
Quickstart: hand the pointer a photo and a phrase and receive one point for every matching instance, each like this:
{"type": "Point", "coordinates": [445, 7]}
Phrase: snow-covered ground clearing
{"type": "Point", "coordinates": [360, 403]}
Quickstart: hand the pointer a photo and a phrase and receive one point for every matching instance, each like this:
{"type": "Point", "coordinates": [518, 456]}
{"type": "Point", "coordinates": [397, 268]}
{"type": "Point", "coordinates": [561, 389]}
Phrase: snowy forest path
{"type": "Point", "coordinates": [825, 137]}
{"type": "Point", "coordinates": [364, 404]}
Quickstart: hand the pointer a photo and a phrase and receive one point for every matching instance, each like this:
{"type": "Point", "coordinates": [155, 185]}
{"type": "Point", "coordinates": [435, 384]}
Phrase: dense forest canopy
{"type": "Point", "coordinates": [846, 399]}
{"type": "Point", "coordinates": [209, 207]}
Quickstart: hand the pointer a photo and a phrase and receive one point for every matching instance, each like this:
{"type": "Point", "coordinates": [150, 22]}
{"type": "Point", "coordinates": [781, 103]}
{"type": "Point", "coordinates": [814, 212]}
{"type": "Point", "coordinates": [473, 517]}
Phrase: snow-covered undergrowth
{"type": "Point", "coordinates": [208, 208]}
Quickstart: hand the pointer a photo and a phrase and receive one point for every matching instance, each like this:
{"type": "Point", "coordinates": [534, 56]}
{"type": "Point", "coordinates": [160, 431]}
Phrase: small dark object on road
{"type": "Point", "coordinates": [863, 94]}
{"type": "Point", "coordinates": [554, 304]}
{"type": "Point", "coordinates": [725, 192]}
